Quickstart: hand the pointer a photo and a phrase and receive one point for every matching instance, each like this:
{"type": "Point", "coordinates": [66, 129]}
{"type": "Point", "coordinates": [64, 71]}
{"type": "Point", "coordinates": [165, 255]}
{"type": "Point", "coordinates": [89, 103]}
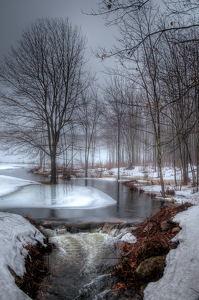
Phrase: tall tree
{"type": "Point", "coordinates": [177, 16]}
{"type": "Point", "coordinates": [115, 110]}
{"type": "Point", "coordinates": [42, 82]}
{"type": "Point", "coordinates": [89, 118]}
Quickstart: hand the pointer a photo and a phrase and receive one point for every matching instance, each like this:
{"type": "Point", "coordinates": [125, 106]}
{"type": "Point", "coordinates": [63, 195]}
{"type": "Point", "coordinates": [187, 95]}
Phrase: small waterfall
{"type": "Point", "coordinates": [87, 251]}
{"type": "Point", "coordinates": [80, 265]}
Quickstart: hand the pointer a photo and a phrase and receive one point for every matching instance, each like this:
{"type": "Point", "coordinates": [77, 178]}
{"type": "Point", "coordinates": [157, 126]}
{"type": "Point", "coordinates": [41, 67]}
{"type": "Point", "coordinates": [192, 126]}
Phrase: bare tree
{"type": "Point", "coordinates": [115, 110]}
{"type": "Point", "coordinates": [42, 81]}
{"type": "Point", "coordinates": [175, 16]}
{"type": "Point", "coordinates": [181, 101]}
{"type": "Point", "coordinates": [89, 118]}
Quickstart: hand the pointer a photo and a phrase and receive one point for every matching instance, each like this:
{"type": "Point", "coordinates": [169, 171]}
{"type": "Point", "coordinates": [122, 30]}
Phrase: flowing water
{"type": "Point", "coordinates": [79, 267]}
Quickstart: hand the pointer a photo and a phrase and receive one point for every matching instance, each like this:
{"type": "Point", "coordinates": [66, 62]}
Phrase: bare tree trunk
{"type": "Point", "coordinates": [86, 153]}
{"type": "Point", "coordinates": [197, 137]}
{"type": "Point", "coordinates": [41, 158]}
{"type": "Point", "coordinates": [66, 160]}
{"type": "Point", "coordinates": [72, 156]}
{"type": "Point", "coordinates": [174, 166]}
{"type": "Point", "coordinates": [53, 166]}
{"type": "Point", "coordinates": [44, 163]}
{"type": "Point", "coordinates": [93, 154]}
{"type": "Point", "coordinates": [118, 151]}
{"type": "Point", "coordinates": [160, 167]}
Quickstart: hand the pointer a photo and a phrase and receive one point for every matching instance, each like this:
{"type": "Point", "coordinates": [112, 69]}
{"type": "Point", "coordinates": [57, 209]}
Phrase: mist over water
{"type": "Point", "coordinates": [105, 200]}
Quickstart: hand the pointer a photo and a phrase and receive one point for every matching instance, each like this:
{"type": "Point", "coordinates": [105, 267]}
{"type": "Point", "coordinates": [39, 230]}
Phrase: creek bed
{"type": "Point", "coordinates": [80, 266]}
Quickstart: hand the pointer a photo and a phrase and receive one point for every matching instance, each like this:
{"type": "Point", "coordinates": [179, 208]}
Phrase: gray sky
{"type": "Point", "coordinates": [17, 15]}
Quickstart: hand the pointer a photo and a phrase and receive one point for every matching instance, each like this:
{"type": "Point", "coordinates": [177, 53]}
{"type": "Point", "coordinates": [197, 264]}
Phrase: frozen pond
{"type": "Point", "coordinates": [80, 264]}
{"type": "Point", "coordinates": [76, 200]}
{"type": "Point", "coordinates": [57, 196]}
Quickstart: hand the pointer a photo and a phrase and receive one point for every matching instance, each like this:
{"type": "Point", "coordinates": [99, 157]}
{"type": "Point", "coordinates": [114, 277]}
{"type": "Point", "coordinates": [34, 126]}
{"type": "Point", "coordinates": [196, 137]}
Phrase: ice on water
{"type": "Point", "coordinates": [80, 197]}
{"type": "Point", "coordinates": [61, 195]}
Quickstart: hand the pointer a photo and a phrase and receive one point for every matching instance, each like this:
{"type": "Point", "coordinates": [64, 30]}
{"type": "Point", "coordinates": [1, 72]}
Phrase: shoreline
{"type": "Point", "coordinates": [187, 237]}
{"type": "Point", "coordinates": [148, 234]}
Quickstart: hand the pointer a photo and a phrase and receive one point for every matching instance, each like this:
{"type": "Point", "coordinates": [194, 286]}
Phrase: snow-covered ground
{"type": "Point", "coordinates": [15, 233]}
{"type": "Point", "coordinates": [180, 279]}
{"type": "Point", "coordinates": [182, 194]}
{"type": "Point", "coordinates": [137, 172]}
{"type": "Point", "coordinates": [144, 176]}
{"type": "Point", "coordinates": [10, 184]}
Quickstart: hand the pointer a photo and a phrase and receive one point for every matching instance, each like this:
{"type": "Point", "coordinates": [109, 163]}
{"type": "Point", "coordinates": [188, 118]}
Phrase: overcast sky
{"type": "Point", "coordinates": [17, 15]}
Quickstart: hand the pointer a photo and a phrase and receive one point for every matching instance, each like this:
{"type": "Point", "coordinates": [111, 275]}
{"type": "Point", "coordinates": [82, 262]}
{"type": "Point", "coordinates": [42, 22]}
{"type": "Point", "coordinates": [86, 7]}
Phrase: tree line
{"type": "Point", "coordinates": [158, 57]}
{"type": "Point", "coordinates": [146, 112]}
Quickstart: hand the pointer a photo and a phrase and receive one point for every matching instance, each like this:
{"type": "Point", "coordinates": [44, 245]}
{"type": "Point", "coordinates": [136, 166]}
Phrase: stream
{"type": "Point", "coordinates": [80, 264]}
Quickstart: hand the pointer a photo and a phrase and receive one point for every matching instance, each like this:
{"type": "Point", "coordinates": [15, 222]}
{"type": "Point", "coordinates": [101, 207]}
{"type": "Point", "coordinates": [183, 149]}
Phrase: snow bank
{"type": "Point", "coordinates": [9, 166]}
{"type": "Point", "coordinates": [137, 172]}
{"type": "Point", "coordinates": [10, 184]}
{"type": "Point", "coordinates": [180, 279]}
{"type": "Point", "coordinates": [182, 194]}
{"type": "Point", "coordinates": [186, 194]}
{"type": "Point", "coordinates": [16, 232]}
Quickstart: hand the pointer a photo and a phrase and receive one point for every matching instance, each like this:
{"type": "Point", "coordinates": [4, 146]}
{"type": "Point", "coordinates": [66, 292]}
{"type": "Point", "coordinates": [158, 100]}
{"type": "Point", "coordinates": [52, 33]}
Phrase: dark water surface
{"type": "Point", "coordinates": [79, 264]}
{"type": "Point", "coordinates": [129, 205]}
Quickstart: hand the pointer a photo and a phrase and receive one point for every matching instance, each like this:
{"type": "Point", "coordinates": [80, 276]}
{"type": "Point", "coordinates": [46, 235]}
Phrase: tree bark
{"type": "Point", "coordinates": [53, 166]}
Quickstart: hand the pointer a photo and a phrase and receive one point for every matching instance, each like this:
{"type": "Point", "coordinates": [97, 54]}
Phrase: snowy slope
{"type": "Point", "coordinates": [15, 233]}
{"type": "Point", "coordinates": [180, 279]}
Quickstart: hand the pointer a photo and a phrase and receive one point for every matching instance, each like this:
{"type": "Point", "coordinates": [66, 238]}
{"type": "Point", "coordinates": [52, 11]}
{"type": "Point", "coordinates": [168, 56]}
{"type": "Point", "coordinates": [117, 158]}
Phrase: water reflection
{"type": "Point", "coordinates": [128, 205]}
{"type": "Point", "coordinates": [118, 198]}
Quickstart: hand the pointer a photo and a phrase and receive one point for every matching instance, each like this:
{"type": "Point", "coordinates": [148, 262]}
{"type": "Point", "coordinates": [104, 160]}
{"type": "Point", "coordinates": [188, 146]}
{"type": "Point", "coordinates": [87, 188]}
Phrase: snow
{"type": "Point", "coordinates": [10, 184]}
{"type": "Point", "coordinates": [39, 195]}
{"type": "Point", "coordinates": [182, 194]}
{"type": "Point", "coordinates": [180, 279]}
{"type": "Point", "coordinates": [85, 197]}
{"type": "Point", "coordinates": [59, 196]}
{"type": "Point", "coordinates": [16, 233]}
{"type": "Point", "coordinates": [10, 166]}
{"type": "Point", "coordinates": [128, 237]}
{"type": "Point", "coordinates": [140, 174]}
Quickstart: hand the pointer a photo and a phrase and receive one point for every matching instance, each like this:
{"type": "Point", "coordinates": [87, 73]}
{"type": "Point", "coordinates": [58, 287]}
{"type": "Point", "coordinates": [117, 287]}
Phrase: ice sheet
{"type": "Point", "coordinates": [7, 166]}
{"type": "Point", "coordinates": [10, 184]}
{"type": "Point", "coordinates": [61, 195]}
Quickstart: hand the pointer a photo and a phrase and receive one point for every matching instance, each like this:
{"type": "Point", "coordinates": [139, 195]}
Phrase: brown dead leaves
{"type": "Point", "coordinates": [151, 241]}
